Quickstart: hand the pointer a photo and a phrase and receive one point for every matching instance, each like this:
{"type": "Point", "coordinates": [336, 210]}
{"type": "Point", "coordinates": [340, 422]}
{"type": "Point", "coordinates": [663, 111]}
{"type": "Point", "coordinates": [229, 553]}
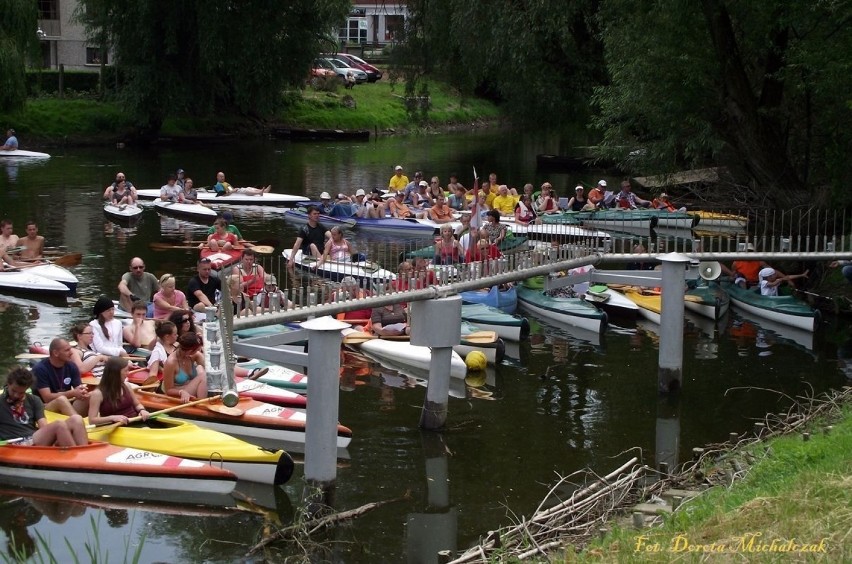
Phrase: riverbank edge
{"type": "Point", "coordinates": [774, 501]}
{"type": "Point", "coordinates": [781, 490]}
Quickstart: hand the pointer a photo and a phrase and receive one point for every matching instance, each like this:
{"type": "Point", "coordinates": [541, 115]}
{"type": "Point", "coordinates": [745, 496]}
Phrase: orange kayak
{"type": "Point", "coordinates": [258, 419]}
{"type": "Point", "coordinates": [100, 468]}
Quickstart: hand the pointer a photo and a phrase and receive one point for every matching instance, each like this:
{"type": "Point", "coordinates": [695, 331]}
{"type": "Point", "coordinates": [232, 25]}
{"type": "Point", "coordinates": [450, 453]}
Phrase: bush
{"type": "Point", "coordinates": [47, 82]}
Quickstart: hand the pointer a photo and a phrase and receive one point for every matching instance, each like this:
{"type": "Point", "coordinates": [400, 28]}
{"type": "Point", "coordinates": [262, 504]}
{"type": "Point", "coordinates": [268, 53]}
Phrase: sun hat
{"type": "Point", "coordinates": [398, 167]}
{"type": "Point", "coordinates": [325, 196]}
{"type": "Point", "coordinates": [341, 196]}
{"type": "Point", "coordinates": [103, 304]}
{"type": "Point", "coordinates": [765, 273]}
{"type": "Point", "coordinates": [601, 182]}
{"type": "Point", "coordinates": [360, 192]}
{"type": "Point", "coordinates": [348, 281]}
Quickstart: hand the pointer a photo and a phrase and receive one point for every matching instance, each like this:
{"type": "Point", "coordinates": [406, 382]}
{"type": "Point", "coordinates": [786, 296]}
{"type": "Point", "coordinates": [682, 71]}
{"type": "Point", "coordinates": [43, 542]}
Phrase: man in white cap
{"type": "Point", "coordinates": [398, 181]}
{"type": "Point", "coordinates": [325, 203]}
{"type": "Point", "coordinates": [359, 209]}
{"type": "Point", "coordinates": [596, 195]}
{"type": "Point", "coordinates": [770, 279]}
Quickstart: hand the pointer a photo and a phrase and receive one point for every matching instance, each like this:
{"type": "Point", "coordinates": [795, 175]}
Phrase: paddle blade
{"type": "Point", "coordinates": [225, 410]}
{"type": "Point", "coordinates": [357, 338]}
{"type": "Point", "coordinates": [264, 249]}
{"type": "Point", "coordinates": [71, 259]}
{"type": "Point", "coordinates": [480, 337]}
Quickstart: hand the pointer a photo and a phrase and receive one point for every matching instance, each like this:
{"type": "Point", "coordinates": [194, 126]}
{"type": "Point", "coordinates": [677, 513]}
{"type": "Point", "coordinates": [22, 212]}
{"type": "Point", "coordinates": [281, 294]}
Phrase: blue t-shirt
{"type": "Point", "coordinates": [12, 142]}
{"type": "Point", "coordinates": [57, 379]}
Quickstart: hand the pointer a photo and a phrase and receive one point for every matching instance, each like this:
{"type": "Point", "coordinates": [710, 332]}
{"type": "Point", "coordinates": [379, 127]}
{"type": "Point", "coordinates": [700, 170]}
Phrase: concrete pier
{"type": "Point", "coordinates": [324, 340]}
{"type": "Point", "coordinates": [436, 324]}
{"type": "Point", "coordinates": [670, 374]}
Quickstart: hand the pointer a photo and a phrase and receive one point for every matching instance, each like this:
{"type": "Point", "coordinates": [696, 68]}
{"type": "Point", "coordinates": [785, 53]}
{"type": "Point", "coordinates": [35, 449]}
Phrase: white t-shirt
{"type": "Point", "coordinates": [159, 353]}
{"type": "Point", "coordinates": [767, 290]}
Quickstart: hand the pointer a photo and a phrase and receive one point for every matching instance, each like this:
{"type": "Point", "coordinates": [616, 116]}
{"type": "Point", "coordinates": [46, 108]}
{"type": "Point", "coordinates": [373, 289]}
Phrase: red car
{"type": "Point", "coordinates": [373, 74]}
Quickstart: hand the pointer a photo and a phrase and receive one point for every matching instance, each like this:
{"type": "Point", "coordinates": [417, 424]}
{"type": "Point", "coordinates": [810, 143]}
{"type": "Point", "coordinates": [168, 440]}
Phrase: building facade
{"type": "Point", "coordinates": [373, 22]}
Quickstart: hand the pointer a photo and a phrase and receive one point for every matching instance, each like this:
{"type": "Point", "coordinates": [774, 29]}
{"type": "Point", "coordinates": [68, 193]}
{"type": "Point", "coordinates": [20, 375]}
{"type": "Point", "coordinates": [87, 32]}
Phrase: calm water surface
{"type": "Point", "coordinates": [561, 401]}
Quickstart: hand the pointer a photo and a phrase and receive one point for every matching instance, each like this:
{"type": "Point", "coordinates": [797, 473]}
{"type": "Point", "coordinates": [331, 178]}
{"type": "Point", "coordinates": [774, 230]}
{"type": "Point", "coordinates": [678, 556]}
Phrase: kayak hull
{"type": "Point", "coordinates": [570, 311]}
{"type": "Point", "coordinates": [189, 211]}
{"type": "Point", "coordinates": [785, 310]}
{"type": "Point", "coordinates": [209, 197]}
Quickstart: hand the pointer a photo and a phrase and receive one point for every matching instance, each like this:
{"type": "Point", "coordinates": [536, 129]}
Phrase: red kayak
{"type": "Point", "coordinates": [222, 259]}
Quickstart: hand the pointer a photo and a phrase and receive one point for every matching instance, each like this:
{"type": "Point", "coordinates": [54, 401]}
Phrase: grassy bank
{"type": "Point", "coordinates": [793, 505]}
{"type": "Point", "coordinates": [380, 105]}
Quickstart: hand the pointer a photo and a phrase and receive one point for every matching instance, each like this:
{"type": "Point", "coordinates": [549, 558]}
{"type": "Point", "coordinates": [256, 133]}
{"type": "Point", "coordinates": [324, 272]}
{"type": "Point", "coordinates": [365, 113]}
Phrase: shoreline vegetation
{"type": "Point", "coordinates": [380, 107]}
{"type": "Point", "coordinates": [782, 491]}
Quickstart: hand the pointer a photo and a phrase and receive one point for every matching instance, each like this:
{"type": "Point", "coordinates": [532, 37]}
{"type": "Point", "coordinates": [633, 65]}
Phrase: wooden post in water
{"type": "Point", "coordinates": [437, 324]}
{"type": "Point", "coordinates": [670, 373]}
{"type": "Point", "coordinates": [324, 340]}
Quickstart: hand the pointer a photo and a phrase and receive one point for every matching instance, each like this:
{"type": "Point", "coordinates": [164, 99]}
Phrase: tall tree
{"type": "Point", "coordinates": [18, 25]}
{"type": "Point", "coordinates": [762, 87]}
{"type": "Point", "coordinates": [201, 56]}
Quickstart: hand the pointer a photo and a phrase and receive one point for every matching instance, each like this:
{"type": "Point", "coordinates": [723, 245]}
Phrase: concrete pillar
{"type": "Point", "coordinates": [670, 374]}
{"type": "Point", "coordinates": [436, 324]}
{"type": "Point", "coordinates": [324, 340]}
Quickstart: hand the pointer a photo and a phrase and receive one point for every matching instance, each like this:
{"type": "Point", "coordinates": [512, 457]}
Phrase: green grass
{"type": "Point", "coordinates": [55, 118]}
{"type": "Point", "coordinates": [381, 105]}
{"type": "Point", "coordinates": [801, 492]}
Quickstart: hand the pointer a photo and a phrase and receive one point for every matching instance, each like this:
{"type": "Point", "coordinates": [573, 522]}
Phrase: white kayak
{"type": "Point", "coordinates": [21, 154]}
{"type": "Point", "coordinates": [405, 354]}
{"type": "Point", "coordinates": [125, 212]}
{"type": "Point", "coordinates": [26, 281]}
{"type": "Point", "coordinates": [188, 210]}
{"type": "Point", "coordinates": [362, 271]}
{"type": "Point", "coordinates": [56, 273]}
{"type": "Point", "coordinates": [236, 199]}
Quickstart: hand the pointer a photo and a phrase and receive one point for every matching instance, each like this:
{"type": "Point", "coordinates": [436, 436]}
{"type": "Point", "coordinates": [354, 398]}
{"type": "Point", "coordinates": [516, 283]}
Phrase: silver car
{"type": "Point", "coordinates": [343, 70]}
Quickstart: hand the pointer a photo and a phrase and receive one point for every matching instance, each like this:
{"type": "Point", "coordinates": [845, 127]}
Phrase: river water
{"type": "Point", "coordinates": [560, 402]}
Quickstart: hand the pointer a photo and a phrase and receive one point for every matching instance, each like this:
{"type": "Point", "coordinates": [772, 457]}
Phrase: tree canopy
{"type": "Point", "coordinates": [761, 87]}
{"type": "Point", "coordinates": [198, 57]}
{"type": "Point", "coordinates": [18, 25]}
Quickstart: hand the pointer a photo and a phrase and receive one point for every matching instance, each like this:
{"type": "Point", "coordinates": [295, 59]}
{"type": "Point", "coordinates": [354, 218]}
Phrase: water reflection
{"type": "Point", "coordinates": [435, 528]}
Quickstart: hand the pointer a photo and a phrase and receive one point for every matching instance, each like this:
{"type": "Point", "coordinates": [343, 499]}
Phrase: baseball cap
{"type": "Point", "coordinates": [601, 182]}
{"type": "Point", "coordinates": [424, 183]}
{"type": "Point", "coordinates": [341, 196]}
{"type": "Point", "coordinates": [270, 279]}
{"type": "Point", "coordinates": [398, 167]}
{"type": "Point", "coordinates": [360, 192]}
{"type": "Point", "coordinates": [325, 196]}
{"type": "Point", "coordinates": [765, 273]}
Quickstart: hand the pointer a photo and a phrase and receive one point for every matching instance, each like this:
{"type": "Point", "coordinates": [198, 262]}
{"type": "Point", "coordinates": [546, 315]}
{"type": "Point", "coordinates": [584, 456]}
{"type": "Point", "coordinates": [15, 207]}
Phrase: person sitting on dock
{"type": "Point", "coordinates": [22, 416]}
{"type": "Point", "coordinates": [627, 200]}
{"type": "Point", "coordinates": [662, 202]}
{"type": "Point", "coordinates": [137, 285]}
{"type": "Point", "coordinates": [114, 400]}
{"type": "Point", "coordinates": [58, 381]}
{"type": "Point", "coordinates": [223, 189]}
{"type": "Point", "coordinates": [400, 210]}
{"type": "Point", "coordinates": [398, 181]}
{"type": "Point", "coordinates": [771, 279]}
{"type": "Point", "coordinates": [11, 143]}
{"type": "Point", "coordinates": [311, 238]}
{"type": "Point", "coordinates": [440, 212]}
{"type": "Point", "coordinates": [170, 191]}
{"type": "Point", "coordinates": [184, 376]}
{"type": "Point", "coordinates": [221, 239]}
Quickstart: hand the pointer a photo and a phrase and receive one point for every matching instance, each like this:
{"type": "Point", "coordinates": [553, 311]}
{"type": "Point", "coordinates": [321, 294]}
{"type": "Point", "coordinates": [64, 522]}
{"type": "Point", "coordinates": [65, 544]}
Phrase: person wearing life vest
{"type": "Point", "coordinates": [745, 272]}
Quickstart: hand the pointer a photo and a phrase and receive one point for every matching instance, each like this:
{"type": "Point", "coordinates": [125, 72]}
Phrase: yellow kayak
{"type": "Point", "coordinates": [177, 437]}
{"type": "Point", "coordinates": [650, 303]}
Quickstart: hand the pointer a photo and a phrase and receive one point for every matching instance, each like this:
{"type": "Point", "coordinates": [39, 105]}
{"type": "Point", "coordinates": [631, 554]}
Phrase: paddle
{"type": "Point", "coordinates": [264, 249]}
{"type": "Point", "coordinates": [11, 441]}
{"type": "Point", "coordinates": [37, 356]}
{"type": "Point", "coordinates": [480, 337]}
{"type": "Point", "coordinates": [113, 426]}
{"type": "Point", "coordinates": [366, 265]}
{"type": "Point", "coordinates": [357, 338]}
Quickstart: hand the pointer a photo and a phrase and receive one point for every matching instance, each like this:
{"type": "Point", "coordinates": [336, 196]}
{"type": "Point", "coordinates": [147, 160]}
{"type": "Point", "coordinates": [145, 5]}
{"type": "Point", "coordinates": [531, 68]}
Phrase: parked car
{"type": "Point", "coordinates": [342, 69]}
{"type": "Point", "coordinates": [373, 74]}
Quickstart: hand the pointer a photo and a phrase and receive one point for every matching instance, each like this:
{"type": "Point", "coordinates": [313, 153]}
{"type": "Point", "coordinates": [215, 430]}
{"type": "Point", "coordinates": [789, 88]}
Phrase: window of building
{"type": "Point", "coordinates": [355, 31]}
{"type": "Point", "coordinates": [93, 56]}
{"type": "Point", "coordinates": [48, 9]}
